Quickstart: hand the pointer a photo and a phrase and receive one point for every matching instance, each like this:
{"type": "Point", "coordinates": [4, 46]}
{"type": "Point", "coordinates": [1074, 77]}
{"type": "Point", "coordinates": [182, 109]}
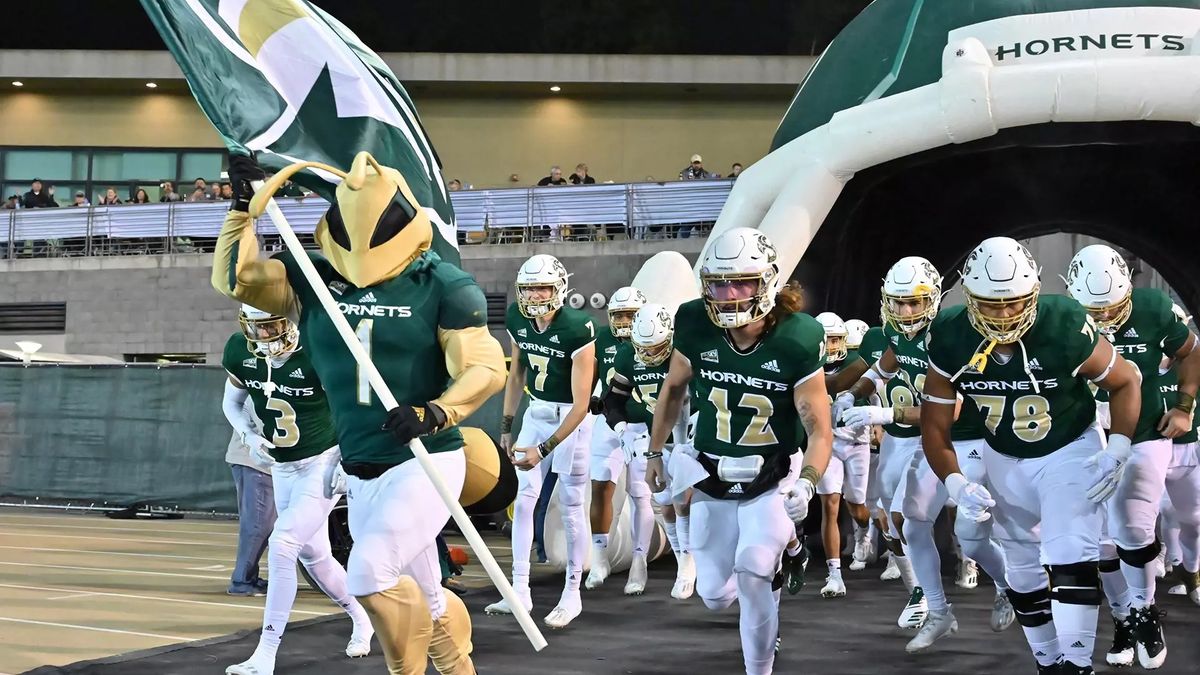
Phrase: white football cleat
{"type": "Point", "coordinates": [834, 586]}
{"type": "Point", "coordinates": [915, 611]}
{"type": "Point", "coordinates": [968, 574]}
{"type": "Point", "coordinates": [1159, 564]}
{"type": "Point", "coordinates": [685, 578]}
{"type": "Point", "coordinates": [938, 625]}
{"type": "Point", "coordinates": [891, 572]}
{"type": "Point", "coordinates": [569, 606]}
{"type": "Point", "coordinates": [1002, 612]}
{"type": "Point", "coordinates": [864, 549]}
{"type": "Point", "coordinates": [252, 666]}
{"type": "Point", "coordinates": [600, 569]}
{"type": "Point", "coordinates": [360, 642]}
{"type": "Point", "coordinates": [1177, 589]}
{"type": "Point", "coordinates": [502, 607]}
{"type": "Point", "coordinates": [636, 585]}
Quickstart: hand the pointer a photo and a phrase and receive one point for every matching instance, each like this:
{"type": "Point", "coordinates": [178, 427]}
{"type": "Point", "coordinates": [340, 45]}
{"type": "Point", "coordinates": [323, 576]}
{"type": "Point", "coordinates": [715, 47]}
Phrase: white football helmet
{"type": "Point", "coordinates": [623, 304]}
{"type": "Point", "coordinates": [1001, 273]}
{"type": "Point", "coordinates": [739, 277]}
{"type": "Point", "coordinates": [836, 336]}
{"type": "Point", "coordinates": [855, 330]}
{"type": "Point", "coordinates": [268, 336]}
{"type": "Point", "coordinates": [651, 334]}
{"type": "Point", "coordinates": [1099, 279]}
{"type": "Point", "coordinates": [911, 280]}
{"type": "Point", "coordinates": [540, 272]}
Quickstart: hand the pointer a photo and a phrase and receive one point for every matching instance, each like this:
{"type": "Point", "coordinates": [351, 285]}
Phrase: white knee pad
{"type": "Point", "coordinates": [1025, 578]}
{"type": "Point", "coordinates": [716, 596]}
{"type": "Point", "coordinates": [283, 543]}
{"type": "Point", "coordinates": [757, 559]}
{"type": "Point", "coordinates": [571, 489]}
{"type": "Point", "coordinates": [638, 489]}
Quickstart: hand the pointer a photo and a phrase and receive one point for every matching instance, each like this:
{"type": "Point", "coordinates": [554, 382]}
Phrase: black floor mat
{"type": "Point", "coordinates": [655, 635]}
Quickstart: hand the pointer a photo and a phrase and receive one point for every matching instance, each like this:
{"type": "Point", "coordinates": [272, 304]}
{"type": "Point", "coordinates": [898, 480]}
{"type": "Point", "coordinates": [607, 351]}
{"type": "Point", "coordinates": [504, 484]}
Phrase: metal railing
{"type": "Point", "coordinates": [510, 215]}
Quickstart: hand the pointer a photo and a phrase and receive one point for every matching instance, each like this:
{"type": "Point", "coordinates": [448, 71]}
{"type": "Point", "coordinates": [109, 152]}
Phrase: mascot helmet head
{"type": "Point", "coordinates": [373, 230]}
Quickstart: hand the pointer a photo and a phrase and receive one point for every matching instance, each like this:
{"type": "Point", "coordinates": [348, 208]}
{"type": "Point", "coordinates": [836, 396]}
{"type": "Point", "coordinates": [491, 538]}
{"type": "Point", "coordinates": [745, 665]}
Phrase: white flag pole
{"type": "Point", "coordinates": [389, 402]}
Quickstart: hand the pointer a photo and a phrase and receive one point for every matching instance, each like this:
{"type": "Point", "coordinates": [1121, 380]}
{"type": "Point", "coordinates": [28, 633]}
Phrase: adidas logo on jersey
{"type": "Point", "coordinates": [521, 332]}
{"type": "Point", "coordinates": [369, 297]}
{"type": "Point", "coordinates": [297, 373]}
{"type": "Point", "coordinates": [1131, 333]}
{"type": "Point", "coordinates": [736, 489]}
{"type": "Point", "coordinates": [710, 356]}
{"type": "Point", "coordinates": [1034, 365]}
{"type": "Point", "coordinates": [250, 363]}
{"type": "Point", "coordinates": [772, 365]}
{"type": "Point", "coordinates": [554, 339]}
{"type": "Point", "coordinates": [974, 454]}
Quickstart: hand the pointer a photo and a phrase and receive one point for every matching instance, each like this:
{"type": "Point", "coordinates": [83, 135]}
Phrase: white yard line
{"type": "Point", "coordinates": [144, 530]}
{"type": "Point", "coordinates": [116, 571]}
{"type": "Point", "coordinates": [256, 608]}
{"type": "Point", "coordinates": [175, 638]}
{"type": "Point", "coordinates": [73, 595]}
{"type": "Point", "coordinates": [140, 541]}
{"type": "Point", "coordinates": [121, 553]}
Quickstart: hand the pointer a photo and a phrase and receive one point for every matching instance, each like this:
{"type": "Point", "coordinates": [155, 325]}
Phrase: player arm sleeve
{"type": "Point", "coordinates": [474, 359]}
{"type": "Point", "coordinates": [240, 272]}
{"type": "Point", "coordinates": [234, 406]}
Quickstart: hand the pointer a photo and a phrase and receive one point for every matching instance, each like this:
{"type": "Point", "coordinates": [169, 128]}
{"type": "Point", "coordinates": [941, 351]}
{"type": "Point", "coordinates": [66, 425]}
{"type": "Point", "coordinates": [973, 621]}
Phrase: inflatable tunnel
{"type": "Point", "coordinates": [929, 125]}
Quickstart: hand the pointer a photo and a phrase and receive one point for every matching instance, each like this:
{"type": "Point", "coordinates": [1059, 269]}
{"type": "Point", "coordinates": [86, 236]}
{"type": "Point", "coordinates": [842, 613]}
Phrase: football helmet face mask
{"type": "Point", "coordinates": [836, 336]}
{"type": "Point", "coordinates": [911, 294]}
{"type": "Point", "coordinates": [268, 336]}
{"type": "Point", "coordinates": [1001, 283]}
{"type": "Point", "coordinates": [855, 330]}
{"type": "Point", "coordinates": [622, 307]}
{"type": "Point", "coordinates": [652, 334]}
{"type": "Point", "coordinates": [739, 277]}
{"type": "Point", "coordinates": [1099, 279]}
{"type": "Point", "coordinates": [541, 286]}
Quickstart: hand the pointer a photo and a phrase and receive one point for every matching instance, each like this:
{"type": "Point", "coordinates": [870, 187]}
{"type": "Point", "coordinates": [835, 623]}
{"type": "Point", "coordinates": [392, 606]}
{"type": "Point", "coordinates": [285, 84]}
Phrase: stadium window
{"type": "Point", "coordinates": [132, 165]}
{"type": "Point", "coordinates": [45, 164]}
{"type": "Point", "coordinates": [206, 165]}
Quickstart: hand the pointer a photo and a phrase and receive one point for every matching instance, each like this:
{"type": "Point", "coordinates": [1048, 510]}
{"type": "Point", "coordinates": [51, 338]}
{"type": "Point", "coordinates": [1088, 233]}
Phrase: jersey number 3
{"type": "Point", "coordinates": [287, 434]}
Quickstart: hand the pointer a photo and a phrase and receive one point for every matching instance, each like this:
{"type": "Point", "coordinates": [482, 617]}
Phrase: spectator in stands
{"type": "Point", "coordinates": [198, 195]}
{"type": "Point", "coordinates": [201, 184]}
{"type": "Point", "coordinates": [735, 170]}
{"type": "Point", "coordinates": [581, 177]}
{"type": "Point", "coordinates": [226, 191]}
{"type": "Point", "coordinates": [13, 202]}
{"type": "Point", "coordinates": [555, 178]}
{"type": "Point", "coordinates": [110, 197]}
{"type": "Point", "coordinates": [695, 170]}
{"type": "Point", "coordinates": [168, 193]}
{"type": "Point", "coordinates": [37, 198]}
{"type": "Point", "coordinates": [80, 199]}
{"type": "Point", "coordinates": [214, 192]}
{"type": "Point", "coordinates": [454, 185]}
{"type": "Point", "coordinates": [140, 197]}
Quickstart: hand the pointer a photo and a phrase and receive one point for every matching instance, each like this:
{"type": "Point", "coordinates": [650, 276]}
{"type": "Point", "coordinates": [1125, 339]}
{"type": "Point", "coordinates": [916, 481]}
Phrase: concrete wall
{"type": "Point", "coordinates": [481, 138]}
{"type": "Point", "coordinates": [164, 304]}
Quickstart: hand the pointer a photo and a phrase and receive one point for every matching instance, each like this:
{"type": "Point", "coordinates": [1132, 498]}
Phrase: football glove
{"type": "Point", "coordinates": [796, 499]}
{"type": "Point", "coordinates": [1109, 464]}
{"type": "Point", "coordinates": [243, 169]}
{"type": "Point", "coordinates": [408, 422]}
{"type": "Point", "coordinates": [972, 498]}
{"type": "Point", "coordinates": [868, 415]}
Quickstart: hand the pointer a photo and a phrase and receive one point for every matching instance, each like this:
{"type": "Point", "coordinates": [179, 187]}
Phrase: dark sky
{"type": "Point", "coordinates": [518, 26]}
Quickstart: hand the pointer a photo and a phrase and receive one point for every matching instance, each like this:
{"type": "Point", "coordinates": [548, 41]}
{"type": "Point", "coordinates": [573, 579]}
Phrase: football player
{"type": "Point", "coordinates": [607, 456]}
{"type": "Point", "coordinates": [848, 466]}
{"type": "Point", "coordinates": [1183, 499]}
{"type": "Point", "coordinates": [1142, 328]}
{"type": "Point", "coordinates": [911, 295]}
{"type": "Point", "coordinates": [639, 370]}
{"type": "Point", "coordinates": [554, 358]}
{"type": "Point", "coordinates": [266, 363]}
{"type": "Point", "coordinates": [424, 323]}
{"type": "Point", "coordinates": [755, 368]}
{"type": "Point", "coordinates": [1025, 361]}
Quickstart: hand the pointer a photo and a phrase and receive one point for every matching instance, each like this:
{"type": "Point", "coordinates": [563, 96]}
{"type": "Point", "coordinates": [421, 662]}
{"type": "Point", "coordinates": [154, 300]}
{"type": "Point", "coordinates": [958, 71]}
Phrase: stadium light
{"type": "Point", "coordinates": [18, 83]}
{"type": "Point", "coordinates": [28, 349]}
{"type": "Point", "coordinates": [151, 85]}
{"type": "Point", "coordinates": [556, 88]}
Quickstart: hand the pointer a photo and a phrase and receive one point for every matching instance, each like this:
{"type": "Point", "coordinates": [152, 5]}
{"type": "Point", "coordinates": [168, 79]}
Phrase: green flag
{"type": "Point", "coordinates": [288, 82]}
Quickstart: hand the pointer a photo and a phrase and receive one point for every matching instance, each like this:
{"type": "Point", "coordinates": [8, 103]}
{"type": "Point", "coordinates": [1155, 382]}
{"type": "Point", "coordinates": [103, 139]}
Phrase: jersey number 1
{"type": "Point", "coordinates": [363, 332]}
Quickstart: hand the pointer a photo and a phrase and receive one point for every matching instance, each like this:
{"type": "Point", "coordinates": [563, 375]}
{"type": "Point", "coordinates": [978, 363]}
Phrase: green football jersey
{"type": "Point", "coordinates": [1168, 387]}
{"type": "Point", "coordinates": [607, 345]}
{"type": "Point", "coordinates": [295, 416]}
{"type": "Point", "coordinates": [898, 390]}
{"type": "Point", "coordinates": [397, 323]}
{"type": "Point", "coordinates": [745, 399]}
{"type": "Point", "coordinates": [1151, 332]}
{"type": "Point", "coordinates": [1019, 420]}
{"type": "Point", "coordinates": [547, 355]}
{"type": "Point", "coordinates": [646, 381]}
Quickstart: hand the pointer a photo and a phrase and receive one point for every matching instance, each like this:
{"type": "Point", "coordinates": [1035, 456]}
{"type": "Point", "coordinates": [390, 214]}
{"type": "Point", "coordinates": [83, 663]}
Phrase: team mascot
{"type": "Point", "coordinates": [424, 323]}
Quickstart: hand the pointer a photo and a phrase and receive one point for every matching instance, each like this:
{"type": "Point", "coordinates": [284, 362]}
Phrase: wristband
{"type": "Point", "coordinates": [810, 474]}
{"type": "Point", "coordinates": [506, 423]}
{"type": "Point", "coordinates": [652, 455]}
{"type": "Point", "coordinates": [1186, 403]}
{"type": "Point", "coordinates": [542, 451]}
